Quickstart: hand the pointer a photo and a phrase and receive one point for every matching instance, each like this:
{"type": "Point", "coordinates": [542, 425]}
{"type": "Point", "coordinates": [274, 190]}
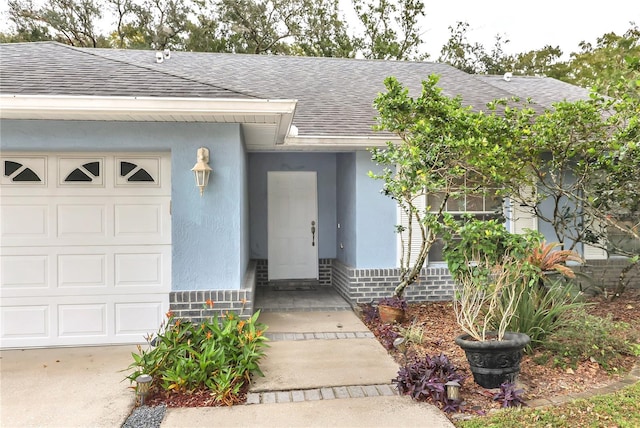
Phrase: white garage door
{"type": "Point", "coordinates": [85, 250]}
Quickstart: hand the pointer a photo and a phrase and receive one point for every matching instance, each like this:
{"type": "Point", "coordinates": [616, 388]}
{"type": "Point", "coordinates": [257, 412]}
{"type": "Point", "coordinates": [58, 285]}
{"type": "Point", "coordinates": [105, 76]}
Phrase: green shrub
{"type": "Point", "coordinates": [219, 354]}
{"type": "Point", "coordinates": [585, 337]}
{"type": "Point", "coordinates": [414, 333]}
{"type": "Point", "coordinates": [542, 310]}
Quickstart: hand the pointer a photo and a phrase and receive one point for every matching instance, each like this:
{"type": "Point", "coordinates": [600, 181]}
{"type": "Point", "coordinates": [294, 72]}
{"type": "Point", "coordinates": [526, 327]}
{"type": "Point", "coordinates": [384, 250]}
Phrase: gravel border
{"type": "Point", "coordinates": [145, 417]}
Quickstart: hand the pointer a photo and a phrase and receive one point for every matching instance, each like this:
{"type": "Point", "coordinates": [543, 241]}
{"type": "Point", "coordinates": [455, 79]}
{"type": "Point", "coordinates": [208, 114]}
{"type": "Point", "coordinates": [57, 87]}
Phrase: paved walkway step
{"type": "Point", "coordinates": [329, 335]}
{"type": "Point", "coordinates": [325, 393]}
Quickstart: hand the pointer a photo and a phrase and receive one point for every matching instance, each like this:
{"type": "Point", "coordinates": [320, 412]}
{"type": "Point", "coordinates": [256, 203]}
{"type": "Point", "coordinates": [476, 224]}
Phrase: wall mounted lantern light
{"type": "Point", "coordinates": [202, 169]}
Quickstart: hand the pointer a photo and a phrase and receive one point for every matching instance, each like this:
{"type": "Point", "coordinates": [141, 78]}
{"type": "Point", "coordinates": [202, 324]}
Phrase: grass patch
{"type": "Point", "coordinates": [620, 409]}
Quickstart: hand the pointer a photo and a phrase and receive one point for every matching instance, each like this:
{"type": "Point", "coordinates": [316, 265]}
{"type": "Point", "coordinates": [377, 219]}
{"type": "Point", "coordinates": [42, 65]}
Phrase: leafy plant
{"type": "Point", "coordinates": [426, 378]}
{"type": "Point", "coordinates": [369, 313]}
{"type": "Point", "coordinates": [509, 395]}
{"type": "Point", "coordinates": [488, 295]}
{"type": "Point", "coordinates": [586, 337]}
{"type": "Point", "coordinates": [541, 311]}
{"type": "Point", "coordinates": [386, 335]}
{"type": "Point", "coordinates": [414, 333]}
{"type": "Point", "coordinates": [489, 264]}
{"type": "Point", "coordinates": [544, 258]}
{"type": "Point", "coordinates": [220, 354]}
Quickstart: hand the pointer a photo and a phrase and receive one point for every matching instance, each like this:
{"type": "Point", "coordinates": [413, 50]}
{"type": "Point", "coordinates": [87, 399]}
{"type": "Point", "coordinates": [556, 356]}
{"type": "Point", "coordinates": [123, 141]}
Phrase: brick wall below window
{"type": "Point", "coordinates": [603, 274]}
{"type": "Point", "coordinates": [365, 285]}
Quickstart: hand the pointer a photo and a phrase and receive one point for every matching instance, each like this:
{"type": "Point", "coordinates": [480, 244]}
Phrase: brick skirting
{"type": "Point", "coordinates": [365, 285]}
{"type": "Point", "coordinates": [605, 274]}
{"type": "Point", "coordinates": [192, 304]}
{"type": "Point", "coordinates": [324, 272]}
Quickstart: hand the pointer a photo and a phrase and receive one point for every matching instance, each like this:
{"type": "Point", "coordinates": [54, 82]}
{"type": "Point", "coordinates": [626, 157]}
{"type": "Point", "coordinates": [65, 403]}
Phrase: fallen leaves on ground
{"type": "Point", "coordinates": [538, 381]}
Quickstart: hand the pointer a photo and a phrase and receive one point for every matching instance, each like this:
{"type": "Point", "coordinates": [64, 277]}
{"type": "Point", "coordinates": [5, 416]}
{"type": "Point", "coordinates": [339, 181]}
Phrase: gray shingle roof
{"type": "Point", "coordinates": [334, 95]}
{"type": "Point", "coordinates": [543, 90]}
{"type": "Point", "coordinates": [55, 69]}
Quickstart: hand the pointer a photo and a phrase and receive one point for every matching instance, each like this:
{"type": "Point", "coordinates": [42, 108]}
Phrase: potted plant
{"type": "Point", "coordinates": [491, 272]}
{"type": "Point", "coordinates": [392, 309]}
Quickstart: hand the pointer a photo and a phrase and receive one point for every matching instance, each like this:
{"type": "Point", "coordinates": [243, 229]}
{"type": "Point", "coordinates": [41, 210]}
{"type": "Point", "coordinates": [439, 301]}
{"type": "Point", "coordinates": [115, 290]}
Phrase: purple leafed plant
{"type": "Point", "coordinates": [394, 302]}
{"type": "Point", "coordinates": [509, 395]}
{"type": "Point", "coordinates": [426, 379]}
{"type": "Point", "coordinates": [370, 313]}
{"type": "Point", "coordinates": [386, 335]}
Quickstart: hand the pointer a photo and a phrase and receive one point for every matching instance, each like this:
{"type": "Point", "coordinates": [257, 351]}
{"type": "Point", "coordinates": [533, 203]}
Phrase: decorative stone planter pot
{"type": "Point", "coordinates": [494, 362]}
{"type": "Point", "coordinates": [389, 314]}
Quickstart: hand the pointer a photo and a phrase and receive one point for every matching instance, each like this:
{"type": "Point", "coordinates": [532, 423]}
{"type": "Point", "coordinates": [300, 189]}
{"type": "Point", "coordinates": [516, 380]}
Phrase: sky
{"type": "Point", "coordinates": [528, 25]}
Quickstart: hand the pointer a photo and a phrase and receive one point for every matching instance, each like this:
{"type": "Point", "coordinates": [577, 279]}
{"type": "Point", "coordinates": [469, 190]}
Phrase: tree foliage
{"type": "Point", "coordinates": [581, 157]}
{"type": "Point", "coordinates": [445, 149]}
{"type": "Point", "coordinates": [612, 65]}
{"type": "Point", "coordinates": [296, 27]}
{"type": "Point", "coordinates": [391, 28]}
{"type": "Point", "coordinates": [68, 21]}
{"type": "Point", "coordinates": [471, 57]}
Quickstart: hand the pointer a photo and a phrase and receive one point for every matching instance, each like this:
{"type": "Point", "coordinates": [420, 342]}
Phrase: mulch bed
{"type": "Point", "coordinates": [537, 381]}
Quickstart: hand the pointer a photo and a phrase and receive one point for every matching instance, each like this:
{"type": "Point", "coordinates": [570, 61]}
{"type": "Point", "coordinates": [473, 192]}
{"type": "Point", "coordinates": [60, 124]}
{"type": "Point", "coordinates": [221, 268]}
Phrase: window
{"type": "Point", "coordinates": [624, 241]}
{"type": "Point", "coordinates": [80, 171]}
{"type": "Point", "coordinates": [137, 171]}
{"type": "Point", "coordinates": [481, 206]}
{"type": "Point", "coordinates": [23, 170]}
{"type": "Point", "coordinates": [87, 173]}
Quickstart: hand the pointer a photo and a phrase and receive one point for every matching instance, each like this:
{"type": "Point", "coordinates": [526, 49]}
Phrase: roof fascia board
{"type": "Point", "coordinates": [340, 143]}
{"type": "Point", "coordinates": [26, 106]}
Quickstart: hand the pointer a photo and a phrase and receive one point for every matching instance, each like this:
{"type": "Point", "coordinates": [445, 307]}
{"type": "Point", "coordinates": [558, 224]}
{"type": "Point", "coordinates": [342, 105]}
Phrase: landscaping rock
{"type": "Point", "coordinates": [145, 417]}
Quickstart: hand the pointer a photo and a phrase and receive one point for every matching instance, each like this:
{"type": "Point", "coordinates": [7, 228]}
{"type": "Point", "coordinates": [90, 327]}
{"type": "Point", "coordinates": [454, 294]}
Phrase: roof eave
{"type": "Point", "coordinates": [334, 143]}
{"type": "Point", "coordinates": [16, 106]}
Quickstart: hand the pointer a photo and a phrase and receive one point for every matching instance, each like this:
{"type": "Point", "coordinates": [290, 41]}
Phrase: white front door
{"type": "Point", "coordinates": [292, 225]}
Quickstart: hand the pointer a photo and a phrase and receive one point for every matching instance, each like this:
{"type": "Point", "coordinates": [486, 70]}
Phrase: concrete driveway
{"type": "Point", "coordinates": [65, 387]}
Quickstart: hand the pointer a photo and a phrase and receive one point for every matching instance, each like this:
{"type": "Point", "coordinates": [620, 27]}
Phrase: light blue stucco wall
{"type": "Point", "coordinates": [209, 234]}
{"type": "Point", "coordinates": [325, 166]}
{"type": "Point", "coordinates": [347, 241]}
{"type": "Point", "coordinates": [376, 217]}
{"type": "Point", "coordinates": [366, 238]}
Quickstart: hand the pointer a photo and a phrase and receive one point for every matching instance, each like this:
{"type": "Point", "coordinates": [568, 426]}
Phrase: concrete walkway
{"type": "Point", "coordinates": [65, 387]}
{"type": "Point", "coordinates": [323, 369]}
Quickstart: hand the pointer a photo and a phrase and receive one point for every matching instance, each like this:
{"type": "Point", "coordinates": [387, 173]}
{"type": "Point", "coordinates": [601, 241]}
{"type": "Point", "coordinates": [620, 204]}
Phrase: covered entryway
{"type": "Point", "coordinates": [85, 252]}
{"type": "Point", "coordinates": [292, 225]}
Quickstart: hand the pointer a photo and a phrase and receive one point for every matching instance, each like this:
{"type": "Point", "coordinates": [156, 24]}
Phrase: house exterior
{"type": "Point", "coordinates": [103, 229]}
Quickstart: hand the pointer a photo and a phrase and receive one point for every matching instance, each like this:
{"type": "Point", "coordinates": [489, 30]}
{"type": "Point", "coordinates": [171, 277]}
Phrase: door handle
{"type": "Point", "coordinates": [313, 233]}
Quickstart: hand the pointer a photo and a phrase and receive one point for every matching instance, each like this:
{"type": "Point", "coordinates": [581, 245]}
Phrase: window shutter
{"type": "Point", "coordinates": [589, 252]}
{"type": "Point", "coordinates": [523, 217]}
{"type": "Point", "coordinates": [416, 239]}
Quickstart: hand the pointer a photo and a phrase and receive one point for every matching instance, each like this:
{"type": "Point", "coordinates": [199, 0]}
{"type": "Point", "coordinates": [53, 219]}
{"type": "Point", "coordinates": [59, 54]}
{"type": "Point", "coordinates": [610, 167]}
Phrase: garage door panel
{"type": "Point", "coordinates": [22, 272]}
{"type": "Point", "coordinates": [24, 221]}
{"type": "Point", "coordinates": [83, 221]}
{"type": "Point", "coordinates": [24, 321]}
{"type": "Point", "coordinates": [139, 220]}
{"type": "Point", "coordinates": [82, 320]}
{"type": "Point", "coordinates": [138, 269]}
{"type": "Point", "coordinates": [138, 319]}
{"type": "Point", "coordinates": [82, 270]}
